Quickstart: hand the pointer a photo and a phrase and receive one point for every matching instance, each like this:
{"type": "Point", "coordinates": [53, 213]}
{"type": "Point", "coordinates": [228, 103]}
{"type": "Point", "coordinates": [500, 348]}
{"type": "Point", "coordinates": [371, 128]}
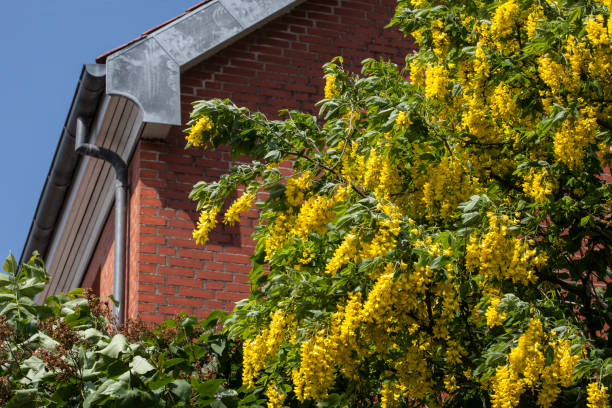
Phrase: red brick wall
{"type": "Point", "coordinates": [276, 67]}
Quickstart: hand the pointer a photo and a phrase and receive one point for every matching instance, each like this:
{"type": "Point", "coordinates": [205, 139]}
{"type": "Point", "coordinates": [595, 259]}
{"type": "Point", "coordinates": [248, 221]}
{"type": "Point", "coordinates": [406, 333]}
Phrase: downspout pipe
{"type": "Point", "coordinates": [121, 191]}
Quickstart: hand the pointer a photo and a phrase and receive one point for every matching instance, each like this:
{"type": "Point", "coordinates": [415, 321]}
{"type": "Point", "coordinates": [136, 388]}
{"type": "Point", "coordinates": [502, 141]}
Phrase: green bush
{"type": "Point", "coordinates": [68, 352]}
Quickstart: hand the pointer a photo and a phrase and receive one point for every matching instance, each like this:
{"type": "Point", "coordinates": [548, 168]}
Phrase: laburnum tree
{"type": "Point", "coordinates": [439, 235]}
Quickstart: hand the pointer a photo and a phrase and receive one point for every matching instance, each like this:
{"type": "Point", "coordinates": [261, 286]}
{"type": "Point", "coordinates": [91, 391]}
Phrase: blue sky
{"type": "Point", "coordinates": [43, 45]}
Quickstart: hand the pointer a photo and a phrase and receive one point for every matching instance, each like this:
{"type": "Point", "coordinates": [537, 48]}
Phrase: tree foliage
{"type": "Point", "coordinates": [442, 239]}
{"type": "Point", "coordinates": [69, 353]}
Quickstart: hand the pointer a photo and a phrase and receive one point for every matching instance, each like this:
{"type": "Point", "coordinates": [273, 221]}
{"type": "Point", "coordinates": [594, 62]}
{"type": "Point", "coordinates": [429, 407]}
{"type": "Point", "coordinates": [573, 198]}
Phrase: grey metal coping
{"type": "Point", "coordinates": [147, 72]}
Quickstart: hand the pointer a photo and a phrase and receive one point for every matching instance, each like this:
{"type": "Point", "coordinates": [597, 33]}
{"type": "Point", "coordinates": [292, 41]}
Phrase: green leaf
{"type": "Point", "coordinates": [10, 265]}
{"type": "Point", "coordinates": [181, 389]}
{"type": "Point", "coordinates": [117, 346]}
{"type": "Point", "coordinates": [160, 382]}
{"type": "Point", "coordinates": [218, 347]}
{"type": "Point", "coordinates": [209, 388]}
{"type": "Point", "coordinates": [141, 366]}
{"type": "Point", "coordinates": [172, 362]}
{"type": "Point", "coordinates": [22, 398]}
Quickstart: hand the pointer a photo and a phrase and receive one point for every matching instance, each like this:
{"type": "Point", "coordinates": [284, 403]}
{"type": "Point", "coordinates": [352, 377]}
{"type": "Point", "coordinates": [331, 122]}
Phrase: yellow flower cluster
{"type": "Point", "coordinates": [352, 162]}
{"type": "Point", "coordinates": [498, 255]}
{"type": "Point", "coordinates": [294, 190]}
{"type": "Point", "coordinates": [386, 236]}
{"type": "Point", "coordinates": [278, 234]}
{"type": "Point", "coordinates": [351, 118]}
{"type": "Point", "coordinates": [596, 31]}
{"type": "Point", "coordinates": [381, 176]}
{"type": "Point", "coordinates": [316, 212]}
{"type": "Point", "coordinates": [417, 74]}
{"type": "Point", "coordinates": [527, 369]}
{"type": "Point", "coordinates": [450, 383]}
{"type": "Point", "coordinates": [195, 136]}
{"type": "Point", "coordinates": [503, 107]}
{"type": "Point", "coordinates": [206, 223]}
{"type": "Point", "coordinates": [444, 186]}
{"type": "Point", "coordinates": [574, 136]}
{"type": "Point", "coordinates": [504, 19]}
{"type": "Point", "coordinates": [232, 215]}
{"type": "Point", "coordinates": [346, 252]}
{"type": "Point", "coordinates": [403, 122]}
{"type": "Point", "coordinates": [537, 184]}
{"type": "Point", "coordinates": [436, 81]}
{"type": "Point", "coordinates": [264, 346]}
{"type": "Point", "coordinates": [597, 396]}
{"type": "Point", "coordinates": [275, 398]}
{"type": "Point", "coordinates": [536, 14]}
{"type": "Point", "coordinates": [475, 118]}
{"type": "Point", "coordinates": [481, 63]}
{"type": "Point", "coordinates": [331, 89]}
{"type": "Point", "coordinates": [440, 39]}
{"type": "Point", "coordinates": [575, 56]}
{"type": "Point", "coordinates": [387, 396]}
{"type": "Point", "coordinates": [321, 354]}
{"type": "Point", "coordinates": [551, 72]}
{"type": "Point", "coordinates": [494, 318]}
{"type": "Point", "coordinates": [503, 23]}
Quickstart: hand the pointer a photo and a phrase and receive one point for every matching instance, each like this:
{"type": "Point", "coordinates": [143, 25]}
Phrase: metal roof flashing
{"type": "Point", "coordinates": [148, 70]}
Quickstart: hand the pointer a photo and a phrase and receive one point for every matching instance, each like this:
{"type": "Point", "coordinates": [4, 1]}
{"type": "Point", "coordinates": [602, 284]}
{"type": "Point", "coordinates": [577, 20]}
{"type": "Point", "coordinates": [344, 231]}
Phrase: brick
{"type": "Point", "coordinates": [154, 259]}
{"type": "Point", "coordinates": [197, 254]}
{"type": "Point", "coordinates": [231, 296]}
{"type": "Point", "coordinates": [147, 297]}
{"type": "Point", "coordinates": [238, 287]}
{"type": "Point", "coordinates": [167, 290]}
{"type": "Point", "coordinates": [171, 271]}
{"type": "Point", "coordinates": [183, 301]}
{"type": "Point", "coordinates": [214, 285]}
{"type": "Point", "coordinates": [215, 276]}
{"type": "Point", "coordinates": [149, 278]}
{"type": "Point", "coordinates": [200, 293]}
{"type": "Point", "coordinates": [194, 283]}
{"type": "Point", "coordinates": [215, 305]}
{"type": "Point", "coordinates": [239, 259]}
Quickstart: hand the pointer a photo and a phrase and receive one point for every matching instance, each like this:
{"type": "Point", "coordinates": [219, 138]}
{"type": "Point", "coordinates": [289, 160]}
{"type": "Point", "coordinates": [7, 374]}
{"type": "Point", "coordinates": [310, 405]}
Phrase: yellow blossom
{"type": "Point", "coordinates": [263, 346]}
{"type": "Point", "coordinates": [403, 122]}
{"type": "Point", "coordinates": [597, 396]}
{"type": "Point", "coordinates": [596, 31]}
{"type": "Point", "coordinates": [436, 81]}
{"type": "Point", "coordinates": [275, 398]}
{"type": "Point", "coordinates": [537, 184]}
{"type": "Point", "coordinates": [537, 14]}
{"type": "Point", "coordinates": [575, 135]}
{"type": "Point", "coordinates": [494, 318]}
{"type": "Point", "coordinates": [294, 190]}
{"type": "Point", "coordinates": [195, 136]}
{"type": "Point", "coordinates": [331, 89]}
{"type": "Point", "coordinates": [206, 223]}
{"type": "Point", "coordinates": [232, 215]}
{"type": "Point", "coordinates": [500, 256]}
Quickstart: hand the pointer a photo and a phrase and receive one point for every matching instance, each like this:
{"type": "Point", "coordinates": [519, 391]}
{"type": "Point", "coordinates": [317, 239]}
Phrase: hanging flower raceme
{"type": "Point", "coordinates": [331, 89]}
{"type": "Point", "coordinates": [206, 223]}
{"type": "Point", "coordinates": [195, 136]}
{"type": "Point", "coordinates": [232, 215]}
